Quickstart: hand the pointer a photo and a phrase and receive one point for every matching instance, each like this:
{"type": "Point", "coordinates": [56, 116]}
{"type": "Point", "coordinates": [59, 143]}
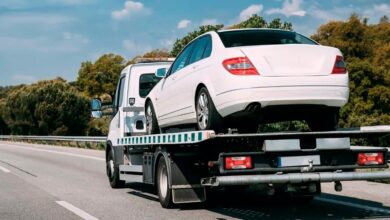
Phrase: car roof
{"type": "Point", "coordinates": [251, 29]}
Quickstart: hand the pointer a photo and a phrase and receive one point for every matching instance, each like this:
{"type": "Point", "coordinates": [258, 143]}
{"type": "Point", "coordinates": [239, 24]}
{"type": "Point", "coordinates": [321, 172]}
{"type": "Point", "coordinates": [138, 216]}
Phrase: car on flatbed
{"type": "Point", "coordinates": [241, 78]}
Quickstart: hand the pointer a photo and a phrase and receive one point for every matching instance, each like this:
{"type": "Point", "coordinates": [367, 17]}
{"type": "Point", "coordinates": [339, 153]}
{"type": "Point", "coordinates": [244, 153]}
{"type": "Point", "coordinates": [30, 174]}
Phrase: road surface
{"type": "Point", "coordinates": [48, 182]}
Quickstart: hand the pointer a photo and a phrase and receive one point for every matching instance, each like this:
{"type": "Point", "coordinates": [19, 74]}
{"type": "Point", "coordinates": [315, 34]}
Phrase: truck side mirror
{"type": "Point", "coordinates": [96, 108]}
{"type": "Point", "coordinates": [161, 72]}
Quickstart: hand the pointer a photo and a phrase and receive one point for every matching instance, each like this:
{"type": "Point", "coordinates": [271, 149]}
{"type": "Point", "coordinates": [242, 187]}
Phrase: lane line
{"type": "Point", "coordinates": [58, 152]}
{"type": "Point", "coordinates": [75, 210]}
{"type": "Point", "coordinates": [5, 170]}
{"type": "Point", "coordinates": [353, 205]}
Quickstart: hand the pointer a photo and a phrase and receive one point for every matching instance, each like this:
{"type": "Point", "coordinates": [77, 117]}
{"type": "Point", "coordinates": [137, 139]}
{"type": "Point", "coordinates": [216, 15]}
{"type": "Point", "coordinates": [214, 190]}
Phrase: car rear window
{"type": "Point", "coordinates": [146, 83]}
{"type": "Point", "coordinates": [241, 38]}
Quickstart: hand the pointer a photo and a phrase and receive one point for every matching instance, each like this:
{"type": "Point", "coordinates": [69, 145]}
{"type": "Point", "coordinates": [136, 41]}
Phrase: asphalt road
{"type": "Point", "coordinates": [47, 182]}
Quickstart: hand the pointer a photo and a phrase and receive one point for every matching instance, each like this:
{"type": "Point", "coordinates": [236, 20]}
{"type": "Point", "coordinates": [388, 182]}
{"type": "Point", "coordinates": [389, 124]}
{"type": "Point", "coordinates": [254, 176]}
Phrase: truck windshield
{"type": "Point", "coordinates": [241, 38]}
{"type": "Point", "coordinates": [146, 83]}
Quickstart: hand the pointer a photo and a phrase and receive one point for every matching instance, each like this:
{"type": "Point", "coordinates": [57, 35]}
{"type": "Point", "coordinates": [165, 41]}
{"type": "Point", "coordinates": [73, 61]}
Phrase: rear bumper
{"type": "Point", "coordinates": [237, 100]}
{"type": "Point", "coordinates": [293, 178]}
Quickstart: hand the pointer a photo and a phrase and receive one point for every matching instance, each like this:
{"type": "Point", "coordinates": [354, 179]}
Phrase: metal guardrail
{"type": "Point", "coordinates": [95, 139]}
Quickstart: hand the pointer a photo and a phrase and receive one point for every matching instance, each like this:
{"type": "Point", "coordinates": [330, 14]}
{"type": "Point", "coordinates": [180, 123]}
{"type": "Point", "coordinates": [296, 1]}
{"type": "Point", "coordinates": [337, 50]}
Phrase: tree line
{"type": "Point", "coordinates": [57, 107]}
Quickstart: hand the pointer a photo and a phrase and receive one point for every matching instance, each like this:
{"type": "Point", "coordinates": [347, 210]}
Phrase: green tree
{"type": "Point", "coordinates": [101, 77]}
{"type": "Point", "coordinates": [50, 107]}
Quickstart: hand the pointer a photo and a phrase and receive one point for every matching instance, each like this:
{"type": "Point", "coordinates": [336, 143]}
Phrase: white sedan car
{"type": "Point", "coordinates": [241, 78]}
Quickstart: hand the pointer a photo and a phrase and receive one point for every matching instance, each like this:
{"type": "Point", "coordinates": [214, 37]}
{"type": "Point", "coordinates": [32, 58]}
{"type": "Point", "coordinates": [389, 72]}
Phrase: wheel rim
{"type": "Point", "coordinates": [149, 119]}
{"type": "Point", "coordinates": [163, 180]}
{"type": "Point", "coordinates": [202, 111]}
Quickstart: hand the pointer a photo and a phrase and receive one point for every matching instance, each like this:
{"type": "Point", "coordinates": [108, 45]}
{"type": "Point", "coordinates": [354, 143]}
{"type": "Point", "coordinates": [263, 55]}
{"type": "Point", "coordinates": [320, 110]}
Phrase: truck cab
{"type": "Point", "coordinates": [135, 82]}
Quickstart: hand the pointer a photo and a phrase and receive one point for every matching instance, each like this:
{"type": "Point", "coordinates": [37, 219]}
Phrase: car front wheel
{"type": "Point", "coordinates": [151, 120]}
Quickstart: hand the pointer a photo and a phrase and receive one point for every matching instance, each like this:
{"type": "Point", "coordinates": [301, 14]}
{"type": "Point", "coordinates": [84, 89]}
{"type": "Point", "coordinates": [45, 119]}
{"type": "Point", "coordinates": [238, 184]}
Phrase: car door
{"type": "Point", "coordinates": [170, 98]}
{"type": "Point", "coordinates": [196, 64]}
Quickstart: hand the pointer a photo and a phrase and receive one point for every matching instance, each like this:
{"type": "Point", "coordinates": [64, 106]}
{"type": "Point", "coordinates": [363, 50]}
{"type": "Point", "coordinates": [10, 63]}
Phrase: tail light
{"type": "Point", "coordinates": [233, 163]}
{"type": "Point", "coordinates": [370, 159]}
{"type": "Point", "coordinates": [240, 66]}
{"type": "Point", "coordinates": [339, 66]}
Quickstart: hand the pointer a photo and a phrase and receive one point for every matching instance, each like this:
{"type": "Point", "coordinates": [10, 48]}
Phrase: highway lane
{"type": "Point", "coordinates": [48, 182]}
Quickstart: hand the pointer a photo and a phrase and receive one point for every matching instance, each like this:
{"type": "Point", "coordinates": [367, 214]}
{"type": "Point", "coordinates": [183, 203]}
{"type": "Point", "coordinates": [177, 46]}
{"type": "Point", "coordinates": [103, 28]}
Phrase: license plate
{"type": "Point", "coordinates": [298, 161]}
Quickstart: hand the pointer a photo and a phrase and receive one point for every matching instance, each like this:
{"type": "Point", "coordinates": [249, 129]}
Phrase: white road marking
{"type": "Point", "coordinates": [354, 205]}
{"type": "Point", "coordinates": [5, 170]}
{"type": "Point", "coordinates": [60, 152]}
{"type": "Point", "coordinates": [75, 210]}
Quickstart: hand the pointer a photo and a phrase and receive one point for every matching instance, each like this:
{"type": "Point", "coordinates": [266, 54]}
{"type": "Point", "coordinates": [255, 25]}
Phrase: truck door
{"type": "Point", "coordinates": [117, 125]}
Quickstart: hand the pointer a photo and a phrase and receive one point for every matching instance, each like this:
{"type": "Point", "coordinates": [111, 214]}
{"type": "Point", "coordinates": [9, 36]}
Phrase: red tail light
{"type": "Point", "coordinates": [240, 66]}
{"type": "Point", "coordinates": [370, 159]}
{"type": "Point", "coordinates": [339, 66]}
{"type": "Point", "coordinates": [233, 163]}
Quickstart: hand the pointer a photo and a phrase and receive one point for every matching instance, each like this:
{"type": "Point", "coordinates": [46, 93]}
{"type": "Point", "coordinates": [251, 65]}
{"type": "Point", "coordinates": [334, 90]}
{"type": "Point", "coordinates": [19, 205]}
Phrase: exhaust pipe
{"type": "Point", "coordinates": [253, 107]}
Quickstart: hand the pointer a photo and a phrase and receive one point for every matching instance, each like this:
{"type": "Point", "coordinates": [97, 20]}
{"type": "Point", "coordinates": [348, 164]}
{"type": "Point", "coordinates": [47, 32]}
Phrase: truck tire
{"type": "Point", "coordinates": [113, 172]}
{"type": "Point", "coordinates": [207, 117]}
{"type": "Point", "coordinates": [151, 119]}
{"type": "Point", "coordinates": [164, 193]}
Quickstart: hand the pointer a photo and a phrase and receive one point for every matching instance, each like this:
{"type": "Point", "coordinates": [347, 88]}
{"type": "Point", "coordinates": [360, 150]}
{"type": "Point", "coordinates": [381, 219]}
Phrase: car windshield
{"type": "Point", "coordinates": [262, 37]}
{"type": "Point", "coordinates": [146, 83]}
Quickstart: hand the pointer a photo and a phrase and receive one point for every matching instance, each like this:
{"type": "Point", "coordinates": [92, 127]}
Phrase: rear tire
{"type": "Point", "coordinates": [151, 120]}
{"type": "Point", "coordinates": [113, 172]}
{"type": "Point", "coordinates": [164, 193]}
{"type": "Point", "coordinates": [207, 117]}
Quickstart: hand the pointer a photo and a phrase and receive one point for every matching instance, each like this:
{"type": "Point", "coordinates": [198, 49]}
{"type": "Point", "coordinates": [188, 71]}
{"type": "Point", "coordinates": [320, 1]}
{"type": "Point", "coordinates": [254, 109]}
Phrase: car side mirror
{"type": "Point", "coordinates": [161, 72]}
{"type": "Point", "coordinates": [96, 108]}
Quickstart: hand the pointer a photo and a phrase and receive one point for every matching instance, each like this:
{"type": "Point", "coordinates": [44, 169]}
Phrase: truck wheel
{"type": "Point", "coordinates": [164, 193]}
{"type": "Point", "coordinates": [113, 172]}
{"type": "Point", "coordinates": [151, 120]}
{"type": "Point", "coordinates": [207, 117]}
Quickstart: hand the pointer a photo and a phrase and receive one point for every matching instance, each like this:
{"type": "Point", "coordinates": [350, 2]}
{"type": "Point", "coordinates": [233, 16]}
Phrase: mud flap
{"type": "Point", "coordinates": [186, 175]}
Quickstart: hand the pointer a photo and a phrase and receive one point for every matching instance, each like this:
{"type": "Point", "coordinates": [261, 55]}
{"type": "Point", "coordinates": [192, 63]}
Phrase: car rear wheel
{"type": "Point", "coordinates": [207, 117]}
{"type": "Point", "coordinates": [151, 120]}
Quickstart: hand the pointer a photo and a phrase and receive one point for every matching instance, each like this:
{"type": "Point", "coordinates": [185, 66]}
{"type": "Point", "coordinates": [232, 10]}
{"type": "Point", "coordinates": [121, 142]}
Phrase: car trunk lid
{"type": "Point", "coordinates": [292, 59]}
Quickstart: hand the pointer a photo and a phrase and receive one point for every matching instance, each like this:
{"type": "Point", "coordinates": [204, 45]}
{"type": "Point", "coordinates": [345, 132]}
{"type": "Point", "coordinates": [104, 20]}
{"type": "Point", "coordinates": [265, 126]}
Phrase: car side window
{"type": "Point", "coordinates": [208, 47]}
{"type": "Point", "coordinates": [199, 47]}
{"type": "Point", "coordinates": [181, 60]}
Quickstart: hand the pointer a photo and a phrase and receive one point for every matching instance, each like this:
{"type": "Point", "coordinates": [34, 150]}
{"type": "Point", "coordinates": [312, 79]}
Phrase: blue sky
{"type": "Point", "coordinates": [42, 39]}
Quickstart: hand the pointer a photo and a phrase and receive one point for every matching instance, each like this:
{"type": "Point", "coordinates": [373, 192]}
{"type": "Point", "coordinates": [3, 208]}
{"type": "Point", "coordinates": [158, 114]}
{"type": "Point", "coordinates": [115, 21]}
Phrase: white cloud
{"type": "Point", "coordinates": [251, 10]}
{"type": "Point", "coordinates": [183, 24]}
{"type": "Point", "coordinates": [382, 8]}
{"type": "Point", "coordinates": [32, 18]}
{"type": "Point", "coordinates": [75, 37]}
{"type": "Point", "coordinates": [211, 21]}
{"type": "Point", "coordinates": [130, 8]}
{"type": "Point", "coordinates": [289, 8]}
{"type": "Point", "coordinates": [71, 2]}
{"type": "Point", "coordinates": [339, 13]}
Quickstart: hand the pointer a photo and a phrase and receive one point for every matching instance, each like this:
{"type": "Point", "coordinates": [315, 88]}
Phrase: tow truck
{"type": "Point", "coordinates": [184, 165]}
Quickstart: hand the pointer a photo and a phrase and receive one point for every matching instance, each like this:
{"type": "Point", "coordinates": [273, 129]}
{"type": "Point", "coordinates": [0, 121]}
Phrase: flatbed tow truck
{"type": "Point", "coordinates": [185, 165]}
{"type": "Point", "coordinates": [182, 165]}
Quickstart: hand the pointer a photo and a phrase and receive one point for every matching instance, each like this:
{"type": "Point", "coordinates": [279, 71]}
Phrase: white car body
{"type": "Point", "coordinates": [289, 74]}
